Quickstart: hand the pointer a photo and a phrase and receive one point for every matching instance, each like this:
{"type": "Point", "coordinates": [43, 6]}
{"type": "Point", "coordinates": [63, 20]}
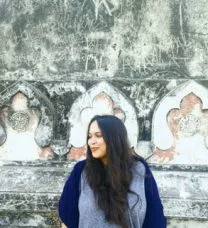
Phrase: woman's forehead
{"type": "Point", "coordinates": [94, 127]}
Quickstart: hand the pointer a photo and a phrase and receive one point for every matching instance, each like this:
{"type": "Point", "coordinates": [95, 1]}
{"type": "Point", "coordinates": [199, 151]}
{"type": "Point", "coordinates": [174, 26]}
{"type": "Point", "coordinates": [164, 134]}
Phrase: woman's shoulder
{"type": "Point", "coordinates": [75, 174]}
{"type": "Point", "coordinates": [139, 167]}
{"type": "Point", "coordinates": [142, 165]}
{"type": "Point", "coordinates": [79, 166]}
{"type": "Point", "coordinates": [141, 160]}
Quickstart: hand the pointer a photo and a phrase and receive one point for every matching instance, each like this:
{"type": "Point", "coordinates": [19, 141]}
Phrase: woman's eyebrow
{"type": "Point", "coordinates": [92, 132]}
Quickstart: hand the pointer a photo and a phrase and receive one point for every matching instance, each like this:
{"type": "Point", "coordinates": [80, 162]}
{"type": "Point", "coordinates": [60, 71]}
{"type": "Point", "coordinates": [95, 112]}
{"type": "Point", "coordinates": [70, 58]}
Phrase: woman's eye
{"type": "Point", "coordinates": [98, 135]}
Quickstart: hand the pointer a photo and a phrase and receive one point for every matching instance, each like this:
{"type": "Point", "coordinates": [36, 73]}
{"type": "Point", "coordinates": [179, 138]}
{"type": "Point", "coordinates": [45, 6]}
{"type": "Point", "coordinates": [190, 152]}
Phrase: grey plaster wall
{"type": "Point", "coordinates": [62, 40]}
{"type": "Point", "coordinates": [53, 51]}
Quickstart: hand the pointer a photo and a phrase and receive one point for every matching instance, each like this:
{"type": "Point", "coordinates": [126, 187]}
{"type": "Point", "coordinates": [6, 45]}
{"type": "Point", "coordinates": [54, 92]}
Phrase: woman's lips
{"type": "Point", "coordinates": [93, 149]}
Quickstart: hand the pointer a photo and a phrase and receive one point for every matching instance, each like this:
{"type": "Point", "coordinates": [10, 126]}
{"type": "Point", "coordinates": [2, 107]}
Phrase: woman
{"type": "Point", "coordinates": [112, 188]}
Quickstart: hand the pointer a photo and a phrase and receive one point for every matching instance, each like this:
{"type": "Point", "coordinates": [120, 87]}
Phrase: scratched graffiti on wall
{"type": "Point", "coordinates": [138, 38]}
{"type": "Point", "coordinates": [110, 6]}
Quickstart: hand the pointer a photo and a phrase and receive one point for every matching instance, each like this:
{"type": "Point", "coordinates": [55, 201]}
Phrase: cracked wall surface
{"type": "Point", "coordinates": [62, 62]}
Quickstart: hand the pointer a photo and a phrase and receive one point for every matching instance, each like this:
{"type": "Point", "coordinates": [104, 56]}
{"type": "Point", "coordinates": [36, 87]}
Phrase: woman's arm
{"type": "Point", "coordinates": [154, 214]}
{"type": "Point", "coordinates": [68, 207]}
{"type": "Point", "coordinates": [68, 203]}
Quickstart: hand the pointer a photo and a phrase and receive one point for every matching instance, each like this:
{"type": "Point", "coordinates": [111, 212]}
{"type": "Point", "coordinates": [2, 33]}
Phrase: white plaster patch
{"type": "Point", "coordinates": [192, 150]}
{"type": "Point", "coordinates": [183, 194]}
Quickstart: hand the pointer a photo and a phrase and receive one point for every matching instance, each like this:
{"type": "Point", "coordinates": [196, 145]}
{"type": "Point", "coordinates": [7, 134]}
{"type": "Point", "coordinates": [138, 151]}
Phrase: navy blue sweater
{"type": "Point", "coordinates": [68, 204]}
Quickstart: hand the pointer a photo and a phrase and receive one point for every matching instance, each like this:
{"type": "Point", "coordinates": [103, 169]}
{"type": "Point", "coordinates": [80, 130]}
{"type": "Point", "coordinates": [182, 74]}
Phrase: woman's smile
{"type": "Point", "coordinates": [96, 142]}
{"type": "Point", "coordinates": [94, 149]}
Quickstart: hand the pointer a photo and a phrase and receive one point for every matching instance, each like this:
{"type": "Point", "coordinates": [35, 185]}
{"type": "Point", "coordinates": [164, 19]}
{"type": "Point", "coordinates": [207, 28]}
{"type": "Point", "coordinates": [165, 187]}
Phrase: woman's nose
{"type": "Point", "coordinates": [93, 140]}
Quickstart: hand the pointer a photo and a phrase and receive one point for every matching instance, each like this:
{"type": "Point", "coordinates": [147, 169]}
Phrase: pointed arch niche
{"type": "Point", "coordinates": [26, 123]}
{"type": "Point", "coordinates": [101, 99]}
{"type": "Point", "coordinates": [180, 126]}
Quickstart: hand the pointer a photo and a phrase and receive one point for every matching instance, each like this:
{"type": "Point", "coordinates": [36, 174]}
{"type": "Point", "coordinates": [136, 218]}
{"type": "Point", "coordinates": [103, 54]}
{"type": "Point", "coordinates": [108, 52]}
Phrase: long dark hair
{"type": "Point", "coordinates": [110, 183]}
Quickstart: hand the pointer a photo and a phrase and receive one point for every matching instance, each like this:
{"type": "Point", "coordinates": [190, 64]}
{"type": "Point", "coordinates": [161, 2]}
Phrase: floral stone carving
{"type": "Point", "coordinates": [100, 99]}
{"type": "Point", "coordinates": [180, 132]}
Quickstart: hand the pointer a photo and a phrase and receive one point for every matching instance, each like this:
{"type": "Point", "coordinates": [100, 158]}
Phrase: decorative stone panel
{"type": "Point", "coordinates": [179, 128]}
{"type": "Point", "coordinates": [101, 99]}
{"type": "Point", "coordinates": [27, 118]}
{"type": "Point", "coordinates": [62, 94]}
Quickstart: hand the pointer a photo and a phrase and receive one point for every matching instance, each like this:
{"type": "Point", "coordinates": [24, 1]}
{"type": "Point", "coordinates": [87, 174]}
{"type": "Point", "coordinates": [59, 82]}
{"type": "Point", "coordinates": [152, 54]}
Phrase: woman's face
{"type": "Point", "coordinates": [96, 142]}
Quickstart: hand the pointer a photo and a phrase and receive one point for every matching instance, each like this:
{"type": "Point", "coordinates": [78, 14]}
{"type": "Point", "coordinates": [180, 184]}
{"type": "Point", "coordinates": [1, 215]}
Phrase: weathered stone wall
{"type": "Point", "coordinates": [62, 61]}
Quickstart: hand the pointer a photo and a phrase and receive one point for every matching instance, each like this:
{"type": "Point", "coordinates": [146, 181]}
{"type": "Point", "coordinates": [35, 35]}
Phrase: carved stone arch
{"type": "Point", "coordinates": [36, 100]}
{"type": "Point", "coordinates": [178, 117]}
{"type": "Point", "coordinates": [102, 98]}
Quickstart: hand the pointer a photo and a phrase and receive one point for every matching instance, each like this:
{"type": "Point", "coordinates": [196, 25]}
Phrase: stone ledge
{"type": "Point", "coordinates": [29, 202]}
{"type": "Point", "coordinates": [27, 219]}
{"type": "Point", "coordinates": [182, 185]}
{"type": "Point", "coordinates": [187, 223]}
{"type": "Point", "coordinates": [186, 209]}
{"type": "Point", "coordinates": [33, 178]}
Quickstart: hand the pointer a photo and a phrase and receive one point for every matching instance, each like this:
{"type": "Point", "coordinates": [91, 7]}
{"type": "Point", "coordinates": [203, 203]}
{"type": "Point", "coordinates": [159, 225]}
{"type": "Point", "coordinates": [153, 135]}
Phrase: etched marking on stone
{"type": "Point", "coordinates": [181, 6]}
{"type": "Point", "coordinates": [189, 124]}
{"type": "Point", "coordinates": [19, 121]}
{"type": "Point", "coordinates": [110, 6]}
